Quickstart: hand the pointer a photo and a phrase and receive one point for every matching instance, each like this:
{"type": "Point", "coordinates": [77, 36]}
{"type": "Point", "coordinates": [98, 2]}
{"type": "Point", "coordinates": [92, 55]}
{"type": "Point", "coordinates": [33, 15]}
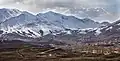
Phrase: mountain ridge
{"type": "Point", "coordinates": [52, 18]}
{"type": "Point", "coordinates": [27, 25]}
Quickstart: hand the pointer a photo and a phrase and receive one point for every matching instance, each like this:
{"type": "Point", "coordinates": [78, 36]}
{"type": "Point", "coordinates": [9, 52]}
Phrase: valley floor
{"type": "Point", "coordinates": [27, 53]}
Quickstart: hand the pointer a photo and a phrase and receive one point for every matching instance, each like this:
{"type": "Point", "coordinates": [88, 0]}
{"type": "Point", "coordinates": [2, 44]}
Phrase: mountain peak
{"type": "Point", "coordinates": [8, 10]}
{"type": "Point", "coordinates": [8, 13]}
{"type": "Point", "coordinates": [52, 13]}
{"type": "Point", "coordinates": [25, 13]}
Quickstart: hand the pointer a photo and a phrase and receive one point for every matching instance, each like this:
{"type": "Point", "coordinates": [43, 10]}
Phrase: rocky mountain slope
{"type": "Point", "coordinates": [26, 26]}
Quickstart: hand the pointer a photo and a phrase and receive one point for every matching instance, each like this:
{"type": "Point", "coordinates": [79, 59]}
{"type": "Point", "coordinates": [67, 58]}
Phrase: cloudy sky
{"type": "Point", "coordinates": [35, 6]}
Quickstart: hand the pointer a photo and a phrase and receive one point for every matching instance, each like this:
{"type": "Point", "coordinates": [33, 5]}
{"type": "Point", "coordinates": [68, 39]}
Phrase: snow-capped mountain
{"type": "Point", "coordinates": [70, 22]}
{"type": "Point", "coordinates": [111, 32]}
{"type": "Point", "coordinates": [47, 21]}
{"type": "Point", "coordinates": [8, 13]}
{"type": "Point", "coordinates": [113, 28]}
{"type": "Point", "coordinates": [87, 12]}
{"type": "Point", "coordinates": [23, 18]}
{"type": "Point", "coordinates": [93, 13]}
{"type": "Point", "coordinates": [26, 25]}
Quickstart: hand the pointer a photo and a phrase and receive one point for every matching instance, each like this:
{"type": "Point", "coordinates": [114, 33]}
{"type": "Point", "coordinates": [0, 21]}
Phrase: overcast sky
{"type": "Point", "coordinates": [36, 6]}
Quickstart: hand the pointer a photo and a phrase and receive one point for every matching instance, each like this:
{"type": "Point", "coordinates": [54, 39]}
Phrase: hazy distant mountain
{"type": "Point", "coordinates": [94, 13]}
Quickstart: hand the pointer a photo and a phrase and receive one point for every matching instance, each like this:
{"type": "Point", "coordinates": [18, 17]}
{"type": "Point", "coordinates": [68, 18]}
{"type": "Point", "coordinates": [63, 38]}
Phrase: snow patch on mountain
{"type": "Point", "coordinates": [67, 21]}
{"type": "Point", "coordinates": [28, 25]}
{"type": "Point", "coordinates": [8, 13]}
{"type": "Point", "coordinates": [23, 18]}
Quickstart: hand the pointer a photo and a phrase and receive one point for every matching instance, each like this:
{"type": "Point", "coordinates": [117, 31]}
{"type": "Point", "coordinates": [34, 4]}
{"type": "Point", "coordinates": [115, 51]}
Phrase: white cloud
{"type": "Point", "coordinates": [41, 4]}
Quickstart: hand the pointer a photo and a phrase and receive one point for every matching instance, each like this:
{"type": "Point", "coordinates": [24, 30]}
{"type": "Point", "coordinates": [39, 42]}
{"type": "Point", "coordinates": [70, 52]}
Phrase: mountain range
{"type": "Point", "coordinates": [22, 25]}
{"type": "Point", "coordinates": [19, 20]}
